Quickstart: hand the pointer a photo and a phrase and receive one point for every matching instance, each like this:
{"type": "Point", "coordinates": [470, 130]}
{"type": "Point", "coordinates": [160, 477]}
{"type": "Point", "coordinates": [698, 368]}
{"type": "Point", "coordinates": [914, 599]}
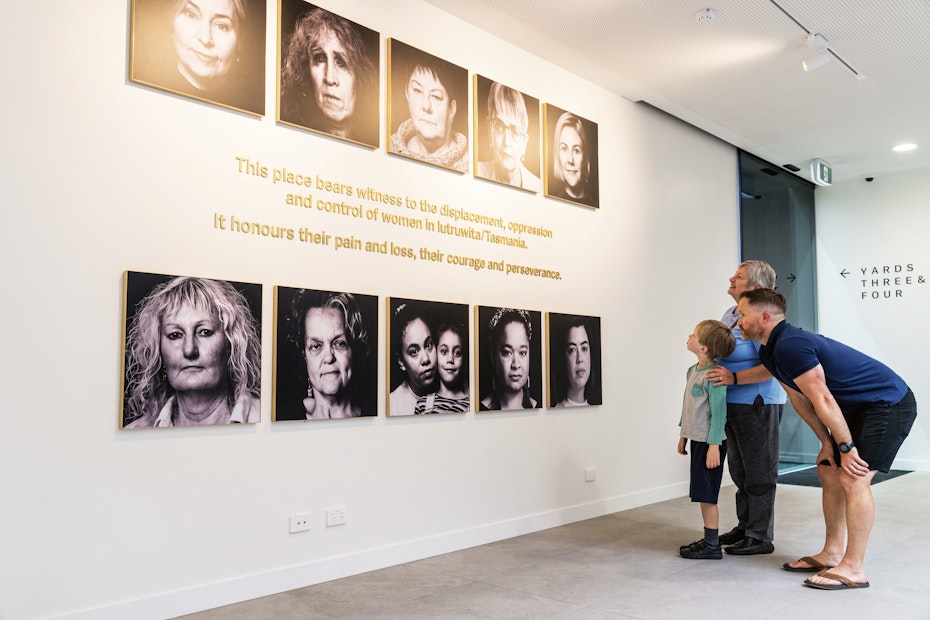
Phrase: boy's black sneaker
{"type": "Point", "coordinates": [690, 545]}
{"type": "Point", "coordinates": [702, 551]}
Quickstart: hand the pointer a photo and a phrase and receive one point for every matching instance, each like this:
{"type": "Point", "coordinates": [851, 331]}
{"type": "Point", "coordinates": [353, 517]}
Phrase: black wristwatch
{"type": "Point", "coordinates": [846, 447]}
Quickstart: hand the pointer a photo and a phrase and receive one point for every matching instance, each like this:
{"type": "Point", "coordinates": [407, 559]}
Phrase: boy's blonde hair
{"type": "Point", "coordinates": [717, 337]}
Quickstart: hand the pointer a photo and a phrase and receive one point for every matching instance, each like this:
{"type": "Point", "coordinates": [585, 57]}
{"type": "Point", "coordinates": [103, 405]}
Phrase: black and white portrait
{"type": "Point", "coordinates": [574, 356]}
{"type": "Point", "coordinates": [427, 108]}
{"type": "Point", "coordinates": [210, 50]}
{"type": "Point", "coordinates": [509, 349]}
{"type": "Point", "coordinates": [192, 351]}
{"type": "Point", "coordinates": [506, 135]}
{"type": "Point", "coordinates": [326, 352]}
{"type": "Point", "coordinates": [571, 157]}
{"type": "Point", "coordinates": [429, 361]}
{"type": "Point", "coordinates": [329, 73]}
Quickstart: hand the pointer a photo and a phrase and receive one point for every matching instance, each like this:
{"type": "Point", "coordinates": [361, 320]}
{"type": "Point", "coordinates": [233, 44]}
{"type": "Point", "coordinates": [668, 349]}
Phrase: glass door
{"type": "Point", "coordinates": [777, 226]}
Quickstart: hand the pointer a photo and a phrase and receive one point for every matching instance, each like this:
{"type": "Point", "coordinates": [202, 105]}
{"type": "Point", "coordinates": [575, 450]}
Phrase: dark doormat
{"type": "Point", "coordinates": [808, 477]}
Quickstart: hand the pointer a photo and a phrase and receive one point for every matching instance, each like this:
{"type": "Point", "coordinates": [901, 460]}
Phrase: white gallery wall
{"type": "Point", "coordinates": [101, 176]}
{"type": "Point", "coordinates": [873, 266]}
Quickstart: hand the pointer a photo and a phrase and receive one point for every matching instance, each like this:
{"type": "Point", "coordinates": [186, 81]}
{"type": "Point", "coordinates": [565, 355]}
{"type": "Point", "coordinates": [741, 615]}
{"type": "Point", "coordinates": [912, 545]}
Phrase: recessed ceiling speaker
{"type": "Point", "coordinates": [704, 16]}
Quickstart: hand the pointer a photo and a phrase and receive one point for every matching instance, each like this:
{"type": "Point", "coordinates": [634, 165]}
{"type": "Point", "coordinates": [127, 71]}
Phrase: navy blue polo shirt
{"type": "Point", "coordinates": [855, 379]}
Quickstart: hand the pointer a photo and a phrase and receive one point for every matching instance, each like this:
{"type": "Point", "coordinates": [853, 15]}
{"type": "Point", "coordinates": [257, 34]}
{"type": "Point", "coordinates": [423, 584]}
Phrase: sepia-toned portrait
{"type": "Point", "coordinates": [571, 157]}
{"type": "Point", "coordinates": [209, 50]}
{"type": "Point", "coordinates": [427, 108]}
{"type": "Point", "coordinates": [506, 135]}
{"type": "Point", "coordinates": [329, 74]}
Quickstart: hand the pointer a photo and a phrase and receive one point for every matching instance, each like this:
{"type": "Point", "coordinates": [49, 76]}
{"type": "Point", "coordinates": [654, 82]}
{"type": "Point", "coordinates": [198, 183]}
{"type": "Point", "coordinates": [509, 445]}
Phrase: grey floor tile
{"type": "Point", "coordinates": [371, 592]}
{"type": "Point", "coordinates": [626, 565]}
{"type": "Point", "coordinates": [565, 579]}
{"type": "Point", "coordinates": [586, 613]}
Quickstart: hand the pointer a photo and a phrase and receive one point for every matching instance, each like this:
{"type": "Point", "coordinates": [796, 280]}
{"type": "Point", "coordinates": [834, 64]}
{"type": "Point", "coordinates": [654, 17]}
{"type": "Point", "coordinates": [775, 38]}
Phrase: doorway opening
{"type": "Point", "coordinates": [777, 226]}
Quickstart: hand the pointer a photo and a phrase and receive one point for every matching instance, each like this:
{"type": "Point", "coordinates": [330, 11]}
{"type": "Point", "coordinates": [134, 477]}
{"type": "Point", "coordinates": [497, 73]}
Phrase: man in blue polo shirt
{"type": "Point", "coordinates": [859, 409]}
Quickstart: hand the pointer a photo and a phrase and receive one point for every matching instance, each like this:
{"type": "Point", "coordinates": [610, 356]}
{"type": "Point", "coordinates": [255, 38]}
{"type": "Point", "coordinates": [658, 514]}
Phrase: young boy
{"type": "Point", "coordinates": [703, 414]}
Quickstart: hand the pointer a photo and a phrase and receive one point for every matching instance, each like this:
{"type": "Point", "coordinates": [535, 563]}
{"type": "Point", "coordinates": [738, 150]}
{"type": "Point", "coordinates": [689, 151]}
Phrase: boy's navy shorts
{"type": "Point", "coordinates": [705, 483]}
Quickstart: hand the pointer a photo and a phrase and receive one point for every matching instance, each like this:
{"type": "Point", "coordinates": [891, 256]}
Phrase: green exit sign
{"type": "Point", "coordinates": [821, 172]}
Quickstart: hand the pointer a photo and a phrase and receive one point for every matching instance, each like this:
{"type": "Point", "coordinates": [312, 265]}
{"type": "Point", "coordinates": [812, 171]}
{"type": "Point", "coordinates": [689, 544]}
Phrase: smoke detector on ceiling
{"type": "Point", "coordinates": [704, 15]}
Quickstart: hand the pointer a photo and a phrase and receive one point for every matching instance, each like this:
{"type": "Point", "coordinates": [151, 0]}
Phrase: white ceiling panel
{"type": "Point", "coordinates": [739, 75]}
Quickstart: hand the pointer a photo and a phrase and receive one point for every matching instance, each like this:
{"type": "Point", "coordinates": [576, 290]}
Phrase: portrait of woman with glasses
{"type": "Point", "coordinates": [511, 154]}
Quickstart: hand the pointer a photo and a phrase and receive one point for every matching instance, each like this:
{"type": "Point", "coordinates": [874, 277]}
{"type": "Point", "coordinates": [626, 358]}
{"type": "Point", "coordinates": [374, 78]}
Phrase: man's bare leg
{"type": "Point", "coordinates": [858, 521]}
{"type": "Point", "coordinates": [834, 516]}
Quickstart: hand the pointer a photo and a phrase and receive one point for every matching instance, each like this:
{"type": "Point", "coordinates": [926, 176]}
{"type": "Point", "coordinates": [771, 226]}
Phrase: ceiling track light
{"type": "Point", "coordinates": [816, 61]}
{"type": "Point", "coordinates": [817, 42]}
{"type": "Point", "coordinates": [822, 57]}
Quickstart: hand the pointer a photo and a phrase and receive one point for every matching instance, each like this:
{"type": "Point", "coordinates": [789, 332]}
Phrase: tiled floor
{"type": "Point", "coordinates": [626, 565]}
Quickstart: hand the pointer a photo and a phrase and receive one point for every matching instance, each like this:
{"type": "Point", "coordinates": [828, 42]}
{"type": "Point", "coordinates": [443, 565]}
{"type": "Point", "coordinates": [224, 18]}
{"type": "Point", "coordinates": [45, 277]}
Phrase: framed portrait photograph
{"type": "Point", "coordinates": [208, 50]}
{"type": "Point", "coordinates": [325, 354]}
{"type": "Point", "coordinates": [508, 345]}
{"type": "Point", "coordinates": [329, 73]}
{"type": "Point", "coordinates": [427, 108]}
{"type": "Point", "coordinates": [192, 351]}
{"type": "Point", "coordinates": [574, 360]}
{"type": "Point", "coordinates": [428, 361]}
{"type": "Point", "coordinates": [571, 157]}
{"type": "Point", "coordinates": [506, 135]}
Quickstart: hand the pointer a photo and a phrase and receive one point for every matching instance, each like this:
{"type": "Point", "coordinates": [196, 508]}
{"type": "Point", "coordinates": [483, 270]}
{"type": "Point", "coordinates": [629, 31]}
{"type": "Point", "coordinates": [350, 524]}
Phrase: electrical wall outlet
{"type": "Point", "coordinates": [590, 474]}
{"type": "Point", "coordinates": [335, 516]}
{"type": "Point", "coordinates": [300, 522]}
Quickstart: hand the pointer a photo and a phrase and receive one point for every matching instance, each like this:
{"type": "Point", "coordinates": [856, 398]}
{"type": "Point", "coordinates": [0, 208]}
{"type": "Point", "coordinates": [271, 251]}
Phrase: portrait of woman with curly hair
{"type": "Point", "coordinates": [193, 351]}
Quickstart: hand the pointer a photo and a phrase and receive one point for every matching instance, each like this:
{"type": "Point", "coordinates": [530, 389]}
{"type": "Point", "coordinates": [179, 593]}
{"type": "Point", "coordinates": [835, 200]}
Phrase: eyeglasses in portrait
{"type": "Point", "coordinates": [428, 361]}
{"type": "Point", "coordinates": [329, 73]}
{"type": "Point", "coordinates": [506, 135]}
{"type": "Point", "coordinates": [509, 351]}
{"type": "Point", "coordinates": [574, 360]}
{"type": "Point", "coordinates": [571, 157]}
{"type": "Point", "coordinates": [326, 351]}
{"type": "Point", "coordinates": [427, 108]}
{"type": "Point", "coordinates": [192, 351]}
{"type": "Point", "coordinates": [209, 50]}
